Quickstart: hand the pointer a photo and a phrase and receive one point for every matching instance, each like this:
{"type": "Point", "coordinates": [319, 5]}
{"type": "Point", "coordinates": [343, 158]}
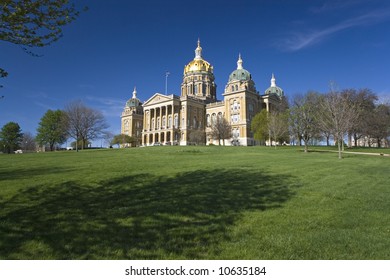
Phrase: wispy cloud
{"type": "Point", "coordinates": [331, 6]}
{"type": "Point", "coordinates": [44, 105]}
{"type": "Point", "coordinates": [110, 107]}
{"type": "Point", "coordinates": [301, 40]}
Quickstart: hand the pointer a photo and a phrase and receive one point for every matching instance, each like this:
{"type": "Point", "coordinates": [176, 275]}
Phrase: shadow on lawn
{"type": "Point", "coordinates": [30, 172]}
{"type": "Point", "coordinates": [136, 217]}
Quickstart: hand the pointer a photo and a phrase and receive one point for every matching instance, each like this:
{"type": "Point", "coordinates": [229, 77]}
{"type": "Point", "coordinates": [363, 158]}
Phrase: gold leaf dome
{"type": "Point", "coordinates": [198, 64]}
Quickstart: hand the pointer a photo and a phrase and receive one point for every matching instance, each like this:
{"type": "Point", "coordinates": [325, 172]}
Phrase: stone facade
{"type": "Point", "coordinates": [175, 120]}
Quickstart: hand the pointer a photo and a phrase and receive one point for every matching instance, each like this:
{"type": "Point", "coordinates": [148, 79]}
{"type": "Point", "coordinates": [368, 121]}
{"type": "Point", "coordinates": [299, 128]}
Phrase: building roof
{"type": "Point", "coordinates": [134, 101]}
{"type": "Point", "coordinates": [198, 63]}
{"type": "Point", "coordinates": [274, 89]}
{"type": "Point", "coordinates": [240, 74]}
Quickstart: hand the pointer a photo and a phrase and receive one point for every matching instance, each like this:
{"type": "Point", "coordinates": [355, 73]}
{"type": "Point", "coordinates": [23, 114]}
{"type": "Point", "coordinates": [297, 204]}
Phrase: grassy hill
{"type": "Point", "coordinates": [194, 203]}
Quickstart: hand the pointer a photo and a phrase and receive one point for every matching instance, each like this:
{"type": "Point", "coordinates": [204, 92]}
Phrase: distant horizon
{"type": "Point", "coordinates": [110, 49]}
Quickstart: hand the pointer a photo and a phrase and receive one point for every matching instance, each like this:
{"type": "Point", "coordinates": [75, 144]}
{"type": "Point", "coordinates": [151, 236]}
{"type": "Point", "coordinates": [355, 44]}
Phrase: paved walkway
{"type": "Point", "coordinates": [356, 153]}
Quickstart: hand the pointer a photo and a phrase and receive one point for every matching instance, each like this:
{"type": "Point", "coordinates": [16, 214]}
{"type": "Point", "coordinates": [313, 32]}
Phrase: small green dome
{"type": "Point", "coordinates": [134, 101]}
{"type": "Point", "coordinates": [240, 74]}
{"type": "Point", "coordinates": [274, 89]}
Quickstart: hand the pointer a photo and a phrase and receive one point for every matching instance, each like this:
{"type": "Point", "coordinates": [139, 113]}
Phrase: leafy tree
{"type": "Point", "coordinates": [220, 130]}
{"type": "Point", "coordinates": [34, 23]}
{"type": "Point", "coordinates": [303, 117]}
{"type": "Point", "coordinates": [278, 126]}
{"type": "Point", "coordinates": [364, 102]}
{"type": "Point", "coordinates": [336, 115]}
{"type": "Point", "coordinates": [11, 137]}
{"type": "Point", "coordinates": [123, 139]}
{"type": "Point", "coordinates": [84, 123]}
{"type": "Point", "coordinates": [52, 129]}
{"type": "Point", "coordinates": [259, 126]}
{"type": "Point", "coordinates": [379, 124]}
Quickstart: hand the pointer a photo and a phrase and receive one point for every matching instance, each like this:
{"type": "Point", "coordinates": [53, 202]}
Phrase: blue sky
{"type": "Point", "coordinates": [119, 44]}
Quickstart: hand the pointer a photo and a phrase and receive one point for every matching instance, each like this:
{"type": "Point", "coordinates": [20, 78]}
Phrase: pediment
{"type": "Point", "coordinates": [156, 99]}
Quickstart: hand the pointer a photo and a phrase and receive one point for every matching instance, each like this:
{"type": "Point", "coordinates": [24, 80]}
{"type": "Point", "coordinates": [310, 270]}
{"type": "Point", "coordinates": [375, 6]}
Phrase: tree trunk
{"type": "Point", "coordinates": [379, 143]}
{"type": "Point", "coordinates": [349, 140]}
{"type": "Point", "coordinates": [339, 148]}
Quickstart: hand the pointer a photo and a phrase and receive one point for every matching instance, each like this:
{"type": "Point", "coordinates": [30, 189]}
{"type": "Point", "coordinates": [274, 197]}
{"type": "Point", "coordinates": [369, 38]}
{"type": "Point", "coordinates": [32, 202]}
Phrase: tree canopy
{"type": "Point", "coordinates": [52, 129]}
{"type": "Point", "coordinates": [34, 23]}
{"type": "Point", "coordinates": [122, 139]}
{"type": "Point", "coordinates": [259, 126]}
{"type": "Point", "coordinates": [84, 123]}
{"type": "Point", "coordinates": [11, 137]}
{"type": "Point", "coordinates": [303, 112]}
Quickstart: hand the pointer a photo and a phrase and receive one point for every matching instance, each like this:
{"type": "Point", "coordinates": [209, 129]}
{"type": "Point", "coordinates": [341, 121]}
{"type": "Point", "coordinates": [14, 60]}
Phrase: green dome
{"type": "Point", "coordinates": [240, 74]}
{"type": "Point", "coordinates": [134, 101]}
{"type": "Point", "coordinates": [274, 89]}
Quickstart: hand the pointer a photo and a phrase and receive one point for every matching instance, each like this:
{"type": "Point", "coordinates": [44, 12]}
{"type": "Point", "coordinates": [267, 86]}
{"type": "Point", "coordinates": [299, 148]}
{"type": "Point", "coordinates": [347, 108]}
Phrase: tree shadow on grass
{"type": "Point", "coordinates": [30, 172]}
{"type": "Point", "coordinates": [136, 217]}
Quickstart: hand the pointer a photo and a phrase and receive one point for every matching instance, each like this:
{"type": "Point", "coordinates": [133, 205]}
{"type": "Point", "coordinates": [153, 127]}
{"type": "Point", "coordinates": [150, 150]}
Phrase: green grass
{"type": "Point", "coordinates": [194, 203]}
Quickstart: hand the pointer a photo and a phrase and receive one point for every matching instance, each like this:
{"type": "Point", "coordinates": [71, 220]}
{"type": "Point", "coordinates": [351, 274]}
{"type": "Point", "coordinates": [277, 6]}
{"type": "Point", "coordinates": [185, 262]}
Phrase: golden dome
{"type": "Point", "coordinates": [198, 64]}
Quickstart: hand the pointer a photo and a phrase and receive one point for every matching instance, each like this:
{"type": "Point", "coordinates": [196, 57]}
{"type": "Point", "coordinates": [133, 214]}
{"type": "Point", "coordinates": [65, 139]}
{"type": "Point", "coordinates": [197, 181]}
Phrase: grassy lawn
{"type": "Point", "coordinates": [194, 203]}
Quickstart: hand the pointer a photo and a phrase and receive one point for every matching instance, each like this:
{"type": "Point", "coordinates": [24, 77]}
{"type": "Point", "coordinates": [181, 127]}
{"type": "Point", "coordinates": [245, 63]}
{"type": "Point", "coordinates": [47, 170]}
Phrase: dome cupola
{"type": "Point", "coordinates": [198, 78]}
{"type": "Point", "coordinates": [240, 74]}
{"type": "Point", "coordinates": [274, 89]}
{"type": "Point", "coordinates": [198, 64]}
{"type": "Point", "coordinates": [134, 101]}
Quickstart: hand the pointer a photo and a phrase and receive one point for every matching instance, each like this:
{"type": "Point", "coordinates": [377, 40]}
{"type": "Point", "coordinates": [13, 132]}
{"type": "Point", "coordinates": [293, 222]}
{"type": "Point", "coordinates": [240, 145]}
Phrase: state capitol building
{"type": "Point", "coordinates": [174, 120]}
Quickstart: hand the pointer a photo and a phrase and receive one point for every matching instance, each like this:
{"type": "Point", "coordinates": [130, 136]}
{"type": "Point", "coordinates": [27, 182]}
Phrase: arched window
{"type": "Point", "coordinates": [219, 115]}
{"type": "Point", "coordinates": [163, 122]}
{"type": "Point", "coordinates": [126, 125]}
{"type": "Point", "coordinates": [213, 119]}
{"type": "Point", "coordinates": [169, 121]}
{"type": "Point", "coordinates": [235, 105]}
{"type": "Point", "coordinates": [208, 120]}
{"type": "Point", "coordinates": [232, 88]}
{"type": "Point", "coordinates": [195, 123]}
{"type": "Point", "coordinates": [176, 121]}
{"type": "Point", "coordinates": [236, 87]}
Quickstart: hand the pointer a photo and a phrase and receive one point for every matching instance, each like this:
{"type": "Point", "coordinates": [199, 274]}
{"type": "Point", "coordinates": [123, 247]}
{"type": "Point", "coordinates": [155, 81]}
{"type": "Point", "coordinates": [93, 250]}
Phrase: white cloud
{"type": "Point", "coordinates": [110, 107]}
{"type": "Point", "coordinates": [301, 40]}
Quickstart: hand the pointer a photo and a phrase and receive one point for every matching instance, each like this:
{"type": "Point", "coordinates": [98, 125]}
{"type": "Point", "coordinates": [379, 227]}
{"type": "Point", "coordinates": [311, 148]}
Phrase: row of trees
{"type": "Point", "coordinates": [348, 114]}
{"type": "Point", "coordinates": [76, 121]}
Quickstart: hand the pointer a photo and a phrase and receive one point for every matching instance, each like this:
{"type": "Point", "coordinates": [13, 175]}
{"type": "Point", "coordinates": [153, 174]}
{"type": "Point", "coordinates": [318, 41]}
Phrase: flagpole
{"type": "Point", "coordinates": [166, 82]}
